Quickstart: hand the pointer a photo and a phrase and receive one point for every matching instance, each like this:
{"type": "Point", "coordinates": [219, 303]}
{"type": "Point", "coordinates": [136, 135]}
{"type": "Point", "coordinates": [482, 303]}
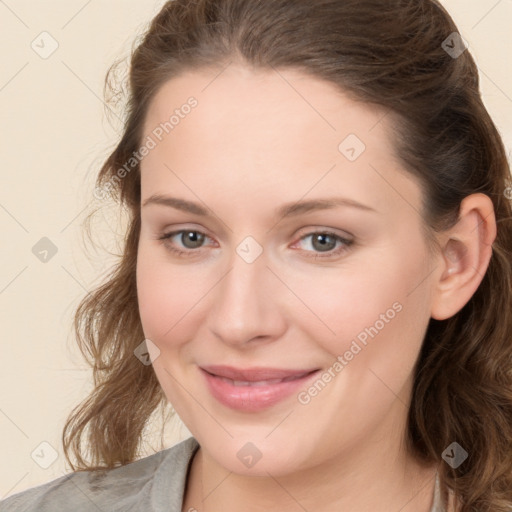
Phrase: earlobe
{"type": "Point", "coordinates": [465, 256]}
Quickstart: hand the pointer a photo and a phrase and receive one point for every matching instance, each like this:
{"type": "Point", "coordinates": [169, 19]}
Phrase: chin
{"type": "Point", "coordinates": [257, 456]}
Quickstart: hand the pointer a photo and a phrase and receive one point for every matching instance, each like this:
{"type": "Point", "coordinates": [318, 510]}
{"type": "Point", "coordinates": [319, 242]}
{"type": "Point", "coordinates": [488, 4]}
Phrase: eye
{"type": "Point", "coordinates": [190, 239]}
{"type": "Point", "coordinates": [326, 244]}
{"type": "Point", "coordinates": [323, 244]}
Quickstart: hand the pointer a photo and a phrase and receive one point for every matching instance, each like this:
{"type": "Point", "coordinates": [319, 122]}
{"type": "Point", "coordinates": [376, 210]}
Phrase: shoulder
{"type": "Point", "coordinates": [155, 483]}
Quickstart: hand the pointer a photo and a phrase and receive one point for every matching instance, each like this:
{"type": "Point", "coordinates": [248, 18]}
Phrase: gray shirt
{"type": "Point", "coordinates": [153, 484]}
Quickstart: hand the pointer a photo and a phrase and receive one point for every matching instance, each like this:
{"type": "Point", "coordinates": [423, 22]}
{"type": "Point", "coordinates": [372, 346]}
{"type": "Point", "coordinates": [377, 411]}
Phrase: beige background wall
{"type": "Point", "coordinates": [54, 136]}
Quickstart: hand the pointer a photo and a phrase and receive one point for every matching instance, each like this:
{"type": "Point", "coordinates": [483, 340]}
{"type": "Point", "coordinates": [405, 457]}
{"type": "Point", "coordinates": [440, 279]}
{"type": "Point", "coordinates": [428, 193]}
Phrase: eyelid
{"type": "Point", "coordinates": [166, 235]}
{"type": "Point", "coordinates": [311, 230]}
{"type": "Point", "coordinates": [333, 254]}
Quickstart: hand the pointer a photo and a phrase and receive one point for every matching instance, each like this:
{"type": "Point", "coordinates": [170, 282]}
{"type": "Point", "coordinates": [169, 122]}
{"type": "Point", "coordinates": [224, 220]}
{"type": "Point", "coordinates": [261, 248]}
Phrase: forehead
{"type": "Point", "coordinates": [271, 99]}
{"type": "Point", "coordinates": [255, 130]}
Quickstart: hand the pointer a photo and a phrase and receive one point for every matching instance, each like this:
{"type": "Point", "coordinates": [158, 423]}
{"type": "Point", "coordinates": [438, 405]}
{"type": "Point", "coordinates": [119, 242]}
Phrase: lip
{"type": "Point", "coordinates": [262, 388]}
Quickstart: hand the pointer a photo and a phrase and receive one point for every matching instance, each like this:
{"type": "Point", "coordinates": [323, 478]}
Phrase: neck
{"type": "Point", "coordinates": [366, 479]}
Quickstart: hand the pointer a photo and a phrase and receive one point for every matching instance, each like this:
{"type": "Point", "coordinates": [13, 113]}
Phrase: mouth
{"type": "Point", "coordinates": [253, 389]}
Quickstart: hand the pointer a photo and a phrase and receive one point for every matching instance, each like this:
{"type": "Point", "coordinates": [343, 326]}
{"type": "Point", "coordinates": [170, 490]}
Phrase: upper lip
{"type": "Point", "coordinates": [254, 374]}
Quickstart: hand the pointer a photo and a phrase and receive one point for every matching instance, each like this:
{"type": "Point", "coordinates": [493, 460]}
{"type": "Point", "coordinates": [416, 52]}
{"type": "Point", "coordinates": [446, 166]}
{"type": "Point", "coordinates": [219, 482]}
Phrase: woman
{"type": "Point", "coordinates": [317, 270]}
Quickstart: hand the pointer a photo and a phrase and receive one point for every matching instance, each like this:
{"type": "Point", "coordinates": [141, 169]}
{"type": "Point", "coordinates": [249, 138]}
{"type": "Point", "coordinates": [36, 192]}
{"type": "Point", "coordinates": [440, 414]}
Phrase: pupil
{"type": "Point", "coordinates": [323, 246]}
{"type": "Point", "coordinates": [194, 237]}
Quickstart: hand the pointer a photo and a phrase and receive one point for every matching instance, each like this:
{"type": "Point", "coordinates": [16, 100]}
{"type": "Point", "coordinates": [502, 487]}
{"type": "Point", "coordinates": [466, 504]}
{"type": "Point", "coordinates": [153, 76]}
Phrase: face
{"type": "Point", "coordinates": [260, 280]}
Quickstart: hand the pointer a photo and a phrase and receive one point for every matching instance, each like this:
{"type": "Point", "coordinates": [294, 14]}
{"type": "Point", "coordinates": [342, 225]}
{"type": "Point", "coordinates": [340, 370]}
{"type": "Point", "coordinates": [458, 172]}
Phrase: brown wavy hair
{"type": "Point", "coordinates": [385, 52]}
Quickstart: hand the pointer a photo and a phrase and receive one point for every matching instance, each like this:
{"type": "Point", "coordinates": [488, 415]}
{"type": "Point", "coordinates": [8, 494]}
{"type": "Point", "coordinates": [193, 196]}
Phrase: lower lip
{"type": "Point", "coordinates": [253, 398]}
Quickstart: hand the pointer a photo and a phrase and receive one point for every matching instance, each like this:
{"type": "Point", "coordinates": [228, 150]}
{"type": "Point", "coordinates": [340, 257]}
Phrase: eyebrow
{"type": "Point", "coordinates": [286, 210]}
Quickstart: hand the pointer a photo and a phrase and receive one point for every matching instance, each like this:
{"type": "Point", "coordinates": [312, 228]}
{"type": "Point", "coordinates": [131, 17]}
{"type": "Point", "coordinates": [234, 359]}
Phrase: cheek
{"type": "Point", "coordinates": [166, 297]}
{"type": "Point", "coordinates": [333, 306]}
{"type": "Point", "coordinates": [169, 295]}
{"type": "Point", "coordinates": [379, 315]}
{"type": "Point", "coordinates": [374, 306]}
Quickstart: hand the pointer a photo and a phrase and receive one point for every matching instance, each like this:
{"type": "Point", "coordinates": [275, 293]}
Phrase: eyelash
{"type": "Point", "coordinates": [190, 252]}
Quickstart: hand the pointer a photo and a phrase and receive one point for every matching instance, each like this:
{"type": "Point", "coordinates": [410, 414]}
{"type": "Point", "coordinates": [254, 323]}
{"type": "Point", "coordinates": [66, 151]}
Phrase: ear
{"type": "Point", "coordinates": [466, 250]}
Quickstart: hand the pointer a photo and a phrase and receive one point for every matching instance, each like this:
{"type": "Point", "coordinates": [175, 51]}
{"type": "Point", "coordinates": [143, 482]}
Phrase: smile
{"type": "Point", "coordinates": [245, 390]}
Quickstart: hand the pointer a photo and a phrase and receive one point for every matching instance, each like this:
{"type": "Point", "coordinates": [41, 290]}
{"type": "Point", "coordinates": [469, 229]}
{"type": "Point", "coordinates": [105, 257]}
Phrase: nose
{"type": "Point", "coordinates": [247, 304]}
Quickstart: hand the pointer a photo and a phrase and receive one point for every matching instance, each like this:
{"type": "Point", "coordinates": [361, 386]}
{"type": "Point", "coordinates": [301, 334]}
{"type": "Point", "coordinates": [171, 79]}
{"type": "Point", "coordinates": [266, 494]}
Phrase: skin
{"type": "Point", "coordinates": [257, 140]}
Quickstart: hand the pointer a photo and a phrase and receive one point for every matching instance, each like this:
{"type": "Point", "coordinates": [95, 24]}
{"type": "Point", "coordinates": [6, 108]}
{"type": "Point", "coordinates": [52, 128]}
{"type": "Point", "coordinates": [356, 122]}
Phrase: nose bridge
{"type": "Point", "coordinates": [243, 306]}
